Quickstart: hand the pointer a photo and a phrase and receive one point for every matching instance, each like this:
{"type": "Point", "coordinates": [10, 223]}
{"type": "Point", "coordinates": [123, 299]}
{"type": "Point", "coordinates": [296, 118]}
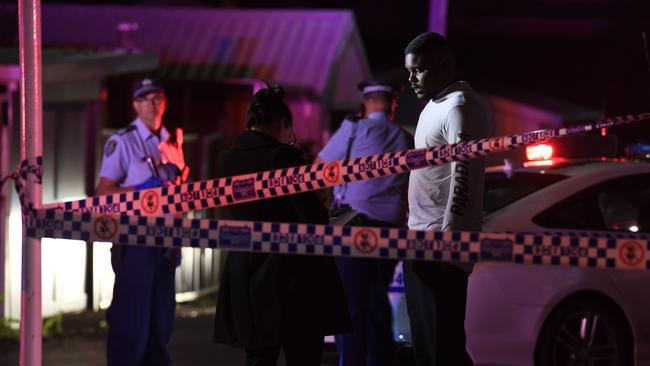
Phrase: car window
{"type": "Point", "coordinates": [621, 204]}
{"type": "Point", "coordinates": [501, 190]}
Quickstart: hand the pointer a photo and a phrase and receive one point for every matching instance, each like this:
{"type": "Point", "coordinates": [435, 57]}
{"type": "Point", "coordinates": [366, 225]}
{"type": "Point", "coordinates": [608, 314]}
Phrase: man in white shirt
{"type": "Point", "coordinates": [442, 198]}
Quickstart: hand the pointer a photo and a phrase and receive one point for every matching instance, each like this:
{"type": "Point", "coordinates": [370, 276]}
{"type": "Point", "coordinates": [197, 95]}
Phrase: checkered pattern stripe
{"type": "Point", "coordinates": [20, 180]}
{"type": "Point", "coordinates": [302, 239]}
{"type": "Point", "coordinates": [575, 249]}
{"type": "Point", "coordinates": [374, 166]}
{"type": "Point", "coordinates": [292, 180]}
{"type": "Point", "coordinates": [461, 247]}
{"type": "Point", "coordinates": [195, 196]}
{"type": "Point", "coordinates": [124, 229]}
{"type": "Point", "coordinates": [126, 203]}
{"type": "Point", "coordinates": [167, 232]}
{"type": "Point", "coordinates": [568, 250]}
{"type": "Point", "coordinates": [275, 183]}
{"type": "Point", "coordinates": [584, 249]}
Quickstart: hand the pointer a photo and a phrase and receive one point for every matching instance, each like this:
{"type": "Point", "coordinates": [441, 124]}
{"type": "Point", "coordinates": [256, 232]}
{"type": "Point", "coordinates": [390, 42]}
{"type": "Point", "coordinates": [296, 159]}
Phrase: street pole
{"type": "Point", "coordinates": [31, 147]}
{"type": "Point", "coordinates": [438, 10]}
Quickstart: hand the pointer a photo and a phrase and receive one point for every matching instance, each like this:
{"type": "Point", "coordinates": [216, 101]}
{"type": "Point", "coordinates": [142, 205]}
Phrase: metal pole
{"type": "Point", "coordinates": [90, 146]}
{"type": "Point", "coordinates": [31, 147]}
{"type": "Point", "coordinates": [438, 16]}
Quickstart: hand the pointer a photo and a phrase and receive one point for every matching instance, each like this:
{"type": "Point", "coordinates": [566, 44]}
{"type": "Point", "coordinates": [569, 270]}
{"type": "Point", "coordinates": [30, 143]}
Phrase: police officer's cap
{"type": "Point", "coordinates": [375, 86]}
{"type": "Point", "coordinates": [146, 86]}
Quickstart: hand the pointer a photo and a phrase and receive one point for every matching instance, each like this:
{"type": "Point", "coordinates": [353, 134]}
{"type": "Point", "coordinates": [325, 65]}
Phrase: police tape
{"type": "Point", "coordinates": [574, 249]}
{"type": "Point", "coordinates": [280, 182]}
{"type": "Point", "coordinates": [20, 175]}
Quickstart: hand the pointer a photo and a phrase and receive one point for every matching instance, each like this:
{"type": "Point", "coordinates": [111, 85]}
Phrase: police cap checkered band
{"type": "Point", "coordinates": [374, 86]}
{"type": "Point", "coordinates": [146, 86]}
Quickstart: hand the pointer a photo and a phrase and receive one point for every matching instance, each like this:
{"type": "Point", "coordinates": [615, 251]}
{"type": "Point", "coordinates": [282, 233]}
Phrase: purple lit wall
{"type": "Point", "coordinates": [316, 55]}
{"type": "Point", "coordinates": [297, 48]}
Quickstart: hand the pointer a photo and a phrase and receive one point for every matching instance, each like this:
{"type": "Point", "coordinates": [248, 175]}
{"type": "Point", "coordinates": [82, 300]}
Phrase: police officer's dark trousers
{"type": "Point", "coordinates": [366, 281]}
{"type": "Point", "coordinates": [436, 296]}
{"type": "Point", "coordinates": [141, 315]}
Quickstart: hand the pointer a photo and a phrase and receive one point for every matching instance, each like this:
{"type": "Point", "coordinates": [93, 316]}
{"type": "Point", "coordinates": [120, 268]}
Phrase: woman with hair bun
{"type": "Point", "coordinates": [273, 301]}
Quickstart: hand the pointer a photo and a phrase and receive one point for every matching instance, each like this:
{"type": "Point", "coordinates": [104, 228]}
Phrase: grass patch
{"type": "Point", "coordinates": [52, 326]}
{"type": "Point", "coordinates": [9, 329]}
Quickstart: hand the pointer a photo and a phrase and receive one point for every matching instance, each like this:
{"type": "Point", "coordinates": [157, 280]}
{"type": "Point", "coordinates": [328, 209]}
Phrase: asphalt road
{"type": "Point", "coordinates": [82, 342]}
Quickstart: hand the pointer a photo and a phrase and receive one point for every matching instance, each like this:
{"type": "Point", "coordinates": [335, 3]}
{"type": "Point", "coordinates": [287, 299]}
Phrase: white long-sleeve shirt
{"type": "Point", "coordinates": [450, 196]}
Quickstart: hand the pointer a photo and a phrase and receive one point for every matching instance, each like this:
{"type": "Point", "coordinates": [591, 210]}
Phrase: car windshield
{"type": "Point", "coordinates": [501, 190]}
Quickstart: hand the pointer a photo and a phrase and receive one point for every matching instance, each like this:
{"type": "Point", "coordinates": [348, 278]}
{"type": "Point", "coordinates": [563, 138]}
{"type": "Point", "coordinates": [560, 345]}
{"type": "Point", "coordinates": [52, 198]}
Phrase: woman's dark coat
{"type": "Point", "coordinates": [264, 296]}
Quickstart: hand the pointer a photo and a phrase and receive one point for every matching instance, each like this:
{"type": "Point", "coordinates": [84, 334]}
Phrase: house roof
{"type": "Point", "coordinates": [298, 48]}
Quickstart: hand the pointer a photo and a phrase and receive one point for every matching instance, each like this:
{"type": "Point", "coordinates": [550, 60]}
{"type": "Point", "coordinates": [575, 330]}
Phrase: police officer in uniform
{"type": "Point", "coordinates": [141, 156]}
{"type": "Point", "coordinates": [381, 202]}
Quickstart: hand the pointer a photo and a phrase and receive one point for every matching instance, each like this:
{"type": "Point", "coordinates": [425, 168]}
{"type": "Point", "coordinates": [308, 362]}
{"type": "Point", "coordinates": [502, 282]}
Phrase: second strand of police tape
{"type": "Point", "coordinates": [576, 249]}
{"type": "Point", "coordinates": [256, 186]}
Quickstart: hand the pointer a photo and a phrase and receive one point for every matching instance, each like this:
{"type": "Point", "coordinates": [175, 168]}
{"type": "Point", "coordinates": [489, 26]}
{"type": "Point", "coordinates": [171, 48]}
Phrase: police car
{"type": "Point", "coordinates": [549, 315]}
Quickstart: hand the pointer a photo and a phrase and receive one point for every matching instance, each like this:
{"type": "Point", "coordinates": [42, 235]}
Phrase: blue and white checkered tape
{"type": "Point", "coordinates": [575, 249]}
{"type": "Point", "coordinates": [275, 183]}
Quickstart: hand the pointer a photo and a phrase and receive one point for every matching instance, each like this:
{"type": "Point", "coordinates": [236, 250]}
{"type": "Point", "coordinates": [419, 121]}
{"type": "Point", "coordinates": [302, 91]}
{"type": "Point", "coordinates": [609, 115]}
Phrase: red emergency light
{"type": "Point", "coordinates": [539, 152]}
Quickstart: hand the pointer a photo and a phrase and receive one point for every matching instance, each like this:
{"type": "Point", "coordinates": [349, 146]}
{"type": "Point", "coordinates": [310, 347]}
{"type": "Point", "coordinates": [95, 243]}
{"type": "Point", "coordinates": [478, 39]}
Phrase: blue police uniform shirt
{"type": "Point", "coordinates": [126, 151]}
{"type": "Point", "coordinates": [379, 198]}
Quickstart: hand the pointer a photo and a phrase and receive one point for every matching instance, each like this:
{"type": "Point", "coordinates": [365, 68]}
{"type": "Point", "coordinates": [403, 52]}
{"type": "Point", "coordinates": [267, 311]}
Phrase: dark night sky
{"type": "Point", "coordinates": [589, 51]}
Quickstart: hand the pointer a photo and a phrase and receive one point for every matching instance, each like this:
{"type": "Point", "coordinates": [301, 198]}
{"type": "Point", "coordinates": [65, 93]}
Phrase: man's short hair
{"type": "Point", "coordinates": [428, 42]}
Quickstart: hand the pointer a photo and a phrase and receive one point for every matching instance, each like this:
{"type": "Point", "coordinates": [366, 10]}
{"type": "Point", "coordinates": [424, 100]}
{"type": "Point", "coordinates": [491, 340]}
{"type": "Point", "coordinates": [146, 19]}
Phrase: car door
{"type": "Point", "coordinates": [621, 204]}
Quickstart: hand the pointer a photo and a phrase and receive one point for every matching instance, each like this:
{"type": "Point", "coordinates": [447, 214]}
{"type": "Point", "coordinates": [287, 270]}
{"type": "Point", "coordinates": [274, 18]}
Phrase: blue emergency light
{"type": "Point", "coordinates": [640, 151]}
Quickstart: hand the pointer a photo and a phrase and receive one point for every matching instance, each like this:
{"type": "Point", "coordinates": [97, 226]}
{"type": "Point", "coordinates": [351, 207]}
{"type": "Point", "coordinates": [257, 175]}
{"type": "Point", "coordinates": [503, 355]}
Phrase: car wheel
{"type": "Point", "coordinates": [585, 332]}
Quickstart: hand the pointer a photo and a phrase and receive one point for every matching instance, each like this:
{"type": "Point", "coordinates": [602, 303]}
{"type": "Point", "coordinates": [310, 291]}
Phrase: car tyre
{"type": "Point", "coordinates": [585, 331]}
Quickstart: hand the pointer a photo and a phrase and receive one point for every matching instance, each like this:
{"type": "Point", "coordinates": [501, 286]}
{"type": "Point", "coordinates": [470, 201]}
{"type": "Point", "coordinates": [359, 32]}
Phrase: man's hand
{"type": "Point", "coordinates": [109, 186]}
{"type": "Point", "coordinates": [172, 152]}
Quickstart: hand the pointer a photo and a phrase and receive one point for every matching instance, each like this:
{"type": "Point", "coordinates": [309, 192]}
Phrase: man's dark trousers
{"type": "Point", "coordinates": [141, 315]}
{"type": "Point", "coordinates": [436, 297]}
{"type": "Point", "coordinates": [366, 283]}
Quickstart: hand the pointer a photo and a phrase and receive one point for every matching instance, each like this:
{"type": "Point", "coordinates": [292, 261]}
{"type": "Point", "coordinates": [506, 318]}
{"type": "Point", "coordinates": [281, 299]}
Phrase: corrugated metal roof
{"type": "Point", "coordinates": [293, 47]}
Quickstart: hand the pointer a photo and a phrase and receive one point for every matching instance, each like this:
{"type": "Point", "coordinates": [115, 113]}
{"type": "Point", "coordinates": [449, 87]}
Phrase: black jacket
{"type": "Point", "coordinates": [262, 296]}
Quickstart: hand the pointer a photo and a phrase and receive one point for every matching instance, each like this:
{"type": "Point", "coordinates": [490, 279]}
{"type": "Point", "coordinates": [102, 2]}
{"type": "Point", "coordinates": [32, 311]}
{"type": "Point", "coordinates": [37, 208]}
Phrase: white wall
{"type": "Point", "coordinates": [62, 270]}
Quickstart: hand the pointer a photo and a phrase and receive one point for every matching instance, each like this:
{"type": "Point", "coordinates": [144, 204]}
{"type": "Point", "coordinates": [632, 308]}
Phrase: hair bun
{"type": "Point", "coordinates": [274, 89]}
{"type": "Point", "coordinates": [266, 105]}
